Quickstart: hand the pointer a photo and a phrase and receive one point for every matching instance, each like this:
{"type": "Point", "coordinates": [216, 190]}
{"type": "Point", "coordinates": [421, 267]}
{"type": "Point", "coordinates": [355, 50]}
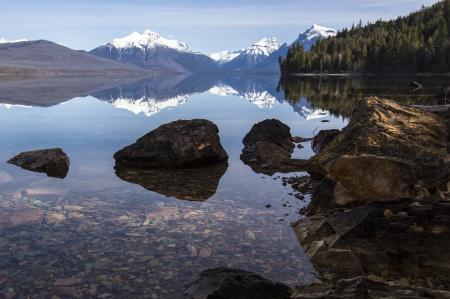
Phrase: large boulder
{"type": "Point", "coordinates": [54, 162]}
{"type": "Point", "coordinates": [268, 148]}
{"type": "Point", "coordinates": [179, 144]}
{"type": "Point", "coordinates": [226, 283]}
{"type": "Point", "coordinates": [387, 151]}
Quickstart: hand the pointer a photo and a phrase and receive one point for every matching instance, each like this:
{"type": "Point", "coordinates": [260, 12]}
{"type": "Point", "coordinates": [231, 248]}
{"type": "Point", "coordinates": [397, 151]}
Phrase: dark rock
{"type": "Point", "coordinates": [54, 162]}
{"type": "Point", "coordinates": [300, 146]}
{"type": "Point", "coordinates": [193, 184]}
{"type": "Point", "coordinates": [179, 144]}
{"type": "Point", "coordinates": [268, 148]}
{"type": "Point", "coordinates": [398, 240]}
{"type": "Point", "coordinates": [386, 152]}
{"type": "Point", "coordinates": [226, 283]}
{"type": "Point", "coordinates": [324, 121]}
{"type": "Point", "coordinates": [363, 287]}
{"type": "Point", "coordinates": [268, 206]}
{"type": "Point", "coordinates": [322, 139]}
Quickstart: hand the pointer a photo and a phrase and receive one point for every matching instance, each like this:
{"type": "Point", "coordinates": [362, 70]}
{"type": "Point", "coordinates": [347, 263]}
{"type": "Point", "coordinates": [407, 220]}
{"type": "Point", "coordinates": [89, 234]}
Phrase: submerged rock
{"type": "Point", "coordinates": [386, 152]}
{"type": "Point", "coordinates": [400, 240]}
{"type": "Point", "coordinates": [194, 184]}
{"type": "Point", "coordinates": [54, 162]}
{"type": "Point", "coordinates": [268, 148]}
{"type": "Point", "coordinates": [179, 144]}
{"type": "Point", "coordinates": [224, 283]}
{"type": "Point", "coordinates": [364, 287]}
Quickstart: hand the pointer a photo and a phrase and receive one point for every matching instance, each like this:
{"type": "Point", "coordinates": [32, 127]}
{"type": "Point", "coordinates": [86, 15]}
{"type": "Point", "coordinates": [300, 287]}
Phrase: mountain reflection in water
{"type": "Point", "coordinates": [98, 234]}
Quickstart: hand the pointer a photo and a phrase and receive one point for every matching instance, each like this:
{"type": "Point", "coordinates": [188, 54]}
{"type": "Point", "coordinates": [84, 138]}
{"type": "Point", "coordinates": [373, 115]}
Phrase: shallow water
{"type": "Point", "coordinates": [93, 234]}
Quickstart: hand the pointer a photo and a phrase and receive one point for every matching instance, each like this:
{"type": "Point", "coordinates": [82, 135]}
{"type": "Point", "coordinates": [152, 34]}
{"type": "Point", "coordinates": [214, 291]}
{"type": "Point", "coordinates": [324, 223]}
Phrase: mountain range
{"type": "Point", "coordinates": [152, 51]}
{"type": "Point", "coordinates": [146, 54]}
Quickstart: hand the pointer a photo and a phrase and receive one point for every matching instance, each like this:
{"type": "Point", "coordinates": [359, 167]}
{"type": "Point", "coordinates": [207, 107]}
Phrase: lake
{"type": "Point", "coordinates": [93, 234]}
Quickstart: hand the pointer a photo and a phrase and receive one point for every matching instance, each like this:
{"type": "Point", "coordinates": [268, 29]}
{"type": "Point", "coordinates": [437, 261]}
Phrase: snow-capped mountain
{"type": "Point", "coordinates": [148, 39]}
{"type": "Point", "coordinates": [224, 56]}
{"type": "Point", "coordinates": [252, 55]}
{"type": "Point", "coordinates": [151, 50]}
{"type": "Point", "coordinates": [313, 34]}
{"type": "Point", "coordinates": [307, 39]}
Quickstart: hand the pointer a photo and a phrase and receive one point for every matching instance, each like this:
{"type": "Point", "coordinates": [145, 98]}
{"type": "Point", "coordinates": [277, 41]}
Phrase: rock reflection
{"type": "Point", "coordinates": [195, 184]}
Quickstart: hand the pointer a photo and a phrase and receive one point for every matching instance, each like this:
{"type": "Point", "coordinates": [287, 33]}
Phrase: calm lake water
{"type": "Point", "coordinates": [93, 234]}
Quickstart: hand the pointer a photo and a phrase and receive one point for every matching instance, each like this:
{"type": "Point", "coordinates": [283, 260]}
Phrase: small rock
{"type": "Point", "coordinates": [54, 162]}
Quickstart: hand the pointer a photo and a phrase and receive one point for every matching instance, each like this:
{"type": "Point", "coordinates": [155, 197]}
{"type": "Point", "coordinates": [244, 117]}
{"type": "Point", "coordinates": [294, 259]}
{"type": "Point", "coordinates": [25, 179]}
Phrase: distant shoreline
{"type": "Point", "coordinates": [364, 75]}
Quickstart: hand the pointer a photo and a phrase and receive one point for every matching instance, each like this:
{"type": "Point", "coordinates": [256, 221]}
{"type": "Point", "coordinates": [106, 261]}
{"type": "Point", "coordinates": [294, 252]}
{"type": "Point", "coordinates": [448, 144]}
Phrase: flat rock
{"type": "Point", "coordinates": [225, 283]}
{"type": "Point", "coordinates": [268, 148]}
{"type": "Point", "coordinates": [386, 152]}
{"type": "Point", "coordinates": [179, 144]}
{"type": "Point", "coordinates": [54, 162]}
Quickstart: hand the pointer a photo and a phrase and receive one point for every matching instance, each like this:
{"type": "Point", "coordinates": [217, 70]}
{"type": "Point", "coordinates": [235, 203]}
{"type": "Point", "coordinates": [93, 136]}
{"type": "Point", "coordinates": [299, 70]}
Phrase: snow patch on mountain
{"type": "Point", "coordinates": [148, 39]}
{"type": "Point", "coordinates": [4, 41]}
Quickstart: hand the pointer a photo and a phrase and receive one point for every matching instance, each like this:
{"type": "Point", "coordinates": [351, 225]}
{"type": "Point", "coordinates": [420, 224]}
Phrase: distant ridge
{"type": "Point", "coordinates": [45, 58]}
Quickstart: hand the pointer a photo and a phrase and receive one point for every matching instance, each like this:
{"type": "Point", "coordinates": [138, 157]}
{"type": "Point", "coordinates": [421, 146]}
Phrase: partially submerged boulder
{"type": "Point", "coordinates": [179, 144]}
{"type": "Point", "coordinates": [268, 148]}
{"type": "Point", "coordinates": [226, 283]}
{"type": "Point", "coordinates": [54, 162]}
{"type": "Point", "coordinates": [386, 152]}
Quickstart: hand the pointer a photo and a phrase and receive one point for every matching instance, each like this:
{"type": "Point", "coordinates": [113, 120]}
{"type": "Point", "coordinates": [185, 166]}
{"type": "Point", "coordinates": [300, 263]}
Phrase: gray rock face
{"type": "Point", "coordinates": [54, 162]}
{"type": "Point", "coordinates": [179, 144]}
{"type": "Point", "coordinates": [226, 283]}
{"type": "Point", "coordinates": [268, 148]}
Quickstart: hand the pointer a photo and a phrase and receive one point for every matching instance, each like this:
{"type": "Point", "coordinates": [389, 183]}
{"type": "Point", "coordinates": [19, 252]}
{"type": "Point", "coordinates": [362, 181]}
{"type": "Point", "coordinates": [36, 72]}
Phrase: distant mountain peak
{"type": "Point", "coordinates": [148, 39]}
{"type": "Point", "coordinates": [265, 46]}
{"type": "Point", "coordinates": [316, 32]}
{"type": "Point", "coordinates": [224, 56]}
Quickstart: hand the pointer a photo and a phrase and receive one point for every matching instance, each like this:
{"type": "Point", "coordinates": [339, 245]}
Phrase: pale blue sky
{"type": "Point", "coordinates": [206, 25]}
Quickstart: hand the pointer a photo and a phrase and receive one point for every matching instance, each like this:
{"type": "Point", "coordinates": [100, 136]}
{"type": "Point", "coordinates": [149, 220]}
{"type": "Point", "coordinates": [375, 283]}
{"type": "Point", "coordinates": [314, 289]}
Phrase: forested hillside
{"type": "Point", "coordinates": [418, 42]}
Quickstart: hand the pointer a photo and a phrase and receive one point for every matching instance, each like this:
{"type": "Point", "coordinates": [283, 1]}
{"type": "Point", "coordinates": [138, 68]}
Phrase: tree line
{"type": "Point", "coordinates": [417, 43]}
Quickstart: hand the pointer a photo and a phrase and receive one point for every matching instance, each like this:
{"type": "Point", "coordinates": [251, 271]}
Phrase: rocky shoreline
{"type": "Point", "coordinates": [378, 224]}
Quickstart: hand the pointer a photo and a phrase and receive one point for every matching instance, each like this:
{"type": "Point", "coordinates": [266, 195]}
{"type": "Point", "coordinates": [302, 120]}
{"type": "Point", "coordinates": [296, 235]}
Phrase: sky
{"type": "Point", "coordinates": [205, 25]}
